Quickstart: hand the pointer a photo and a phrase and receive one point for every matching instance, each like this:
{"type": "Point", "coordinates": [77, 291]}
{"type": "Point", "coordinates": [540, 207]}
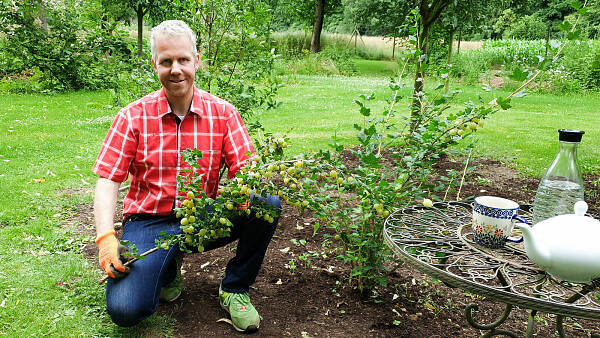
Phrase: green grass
{"type": "Point", "coordinates": [376, 68]}
{"type": "Point", "coordinates": [315, 107]}
{"type": "Point", "coordinates": [48, 144]}
{"type": "Point", "coordinates": [526, 134]}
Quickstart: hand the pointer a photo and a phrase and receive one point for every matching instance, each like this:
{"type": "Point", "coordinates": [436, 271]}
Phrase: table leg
{"type": "Point", "coordinates": [559, 326]}
{"type": "Point", "coordinates": [492, 326]}
{"type": "Point", "coordinates": [530, 323]}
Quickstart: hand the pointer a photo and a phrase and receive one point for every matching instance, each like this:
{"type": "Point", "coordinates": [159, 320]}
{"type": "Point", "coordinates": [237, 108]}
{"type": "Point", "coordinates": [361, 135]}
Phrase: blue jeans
{"type": "Point", "coordinates": [135, 297]}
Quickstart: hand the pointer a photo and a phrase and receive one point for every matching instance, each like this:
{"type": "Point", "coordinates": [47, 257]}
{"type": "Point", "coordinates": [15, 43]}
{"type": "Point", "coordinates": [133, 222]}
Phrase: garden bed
{"type": "Point", "coordinates": [311, 299]}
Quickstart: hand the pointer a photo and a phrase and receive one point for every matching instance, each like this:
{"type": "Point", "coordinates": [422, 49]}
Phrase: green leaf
{"type": "Point", "coordinates": [440, 100]}
{"type": "Point", "coordinates": [583, 11]}
{"type": "Point", "coordinates": [371, 161]}
{"type": "Point", "coordinates": [565, 26]}
{"type": "Point", "coordinates": [371, 130]}
{"type": "Point", "coordinates": [576, 5]}
{"type": "Point", "coordinates": [365, 111]}
{"type": "Point", "coordinates": [316, 228]}
{"type": "Point", "coordinates": [574, 35]}
{"type": "Point", "coordinates": [503, 103]}
{"type": "Point", "coordinates": [518, 75]}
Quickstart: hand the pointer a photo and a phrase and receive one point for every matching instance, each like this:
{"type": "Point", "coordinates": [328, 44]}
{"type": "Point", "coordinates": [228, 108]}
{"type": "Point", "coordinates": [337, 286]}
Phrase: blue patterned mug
{"type": "Point", "coordinates": [493, 221]}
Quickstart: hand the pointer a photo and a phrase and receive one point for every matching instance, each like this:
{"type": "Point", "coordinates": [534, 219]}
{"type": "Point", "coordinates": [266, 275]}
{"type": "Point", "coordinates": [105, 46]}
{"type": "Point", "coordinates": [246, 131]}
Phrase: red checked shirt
{"type": "Point", "coordinates": [146, 142]}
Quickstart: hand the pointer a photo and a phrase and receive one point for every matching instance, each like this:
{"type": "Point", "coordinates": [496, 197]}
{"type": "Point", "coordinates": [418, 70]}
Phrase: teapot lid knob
{"type": "Point", "coordinates": [580, 208]}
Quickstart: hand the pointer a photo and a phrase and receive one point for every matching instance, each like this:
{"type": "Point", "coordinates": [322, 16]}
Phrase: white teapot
{"type": "Point", "coordinates": [565, 246]}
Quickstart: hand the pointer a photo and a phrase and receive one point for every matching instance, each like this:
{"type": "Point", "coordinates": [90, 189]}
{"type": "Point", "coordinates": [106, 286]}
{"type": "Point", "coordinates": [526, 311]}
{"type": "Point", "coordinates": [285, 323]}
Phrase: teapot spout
{"type": "Point", "coordinates": [536, 250]}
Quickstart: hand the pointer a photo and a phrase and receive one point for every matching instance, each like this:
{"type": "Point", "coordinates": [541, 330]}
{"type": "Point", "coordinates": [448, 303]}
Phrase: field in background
{"type": "Point", "coordinates": [467, 45]}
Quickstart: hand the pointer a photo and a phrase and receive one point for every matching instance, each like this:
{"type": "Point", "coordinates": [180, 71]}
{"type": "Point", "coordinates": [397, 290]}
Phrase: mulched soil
{"type": "Point", "coordinates": [314, 301]}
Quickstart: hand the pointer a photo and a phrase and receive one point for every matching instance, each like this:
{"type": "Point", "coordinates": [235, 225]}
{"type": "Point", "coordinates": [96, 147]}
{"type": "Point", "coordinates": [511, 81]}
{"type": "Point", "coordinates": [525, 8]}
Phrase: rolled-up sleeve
{"type": "Point", "coordinates": [118, 149]}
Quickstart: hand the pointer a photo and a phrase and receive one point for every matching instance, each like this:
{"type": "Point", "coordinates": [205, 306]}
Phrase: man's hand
{"type": "Point", "coordinates": [109, 251]}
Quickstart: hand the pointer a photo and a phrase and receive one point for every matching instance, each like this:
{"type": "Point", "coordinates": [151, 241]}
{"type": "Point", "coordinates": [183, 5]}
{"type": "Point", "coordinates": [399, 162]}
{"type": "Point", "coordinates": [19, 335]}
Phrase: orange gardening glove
{"type": "Point", "coordinates": [109, 250]}
{"type": "Point", "coordinates": [244, 205]}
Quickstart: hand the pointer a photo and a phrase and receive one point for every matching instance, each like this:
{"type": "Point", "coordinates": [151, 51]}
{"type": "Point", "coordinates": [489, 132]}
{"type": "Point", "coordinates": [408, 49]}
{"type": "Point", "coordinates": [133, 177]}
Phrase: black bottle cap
{"type": "Point", "coordinates": [570, 135]}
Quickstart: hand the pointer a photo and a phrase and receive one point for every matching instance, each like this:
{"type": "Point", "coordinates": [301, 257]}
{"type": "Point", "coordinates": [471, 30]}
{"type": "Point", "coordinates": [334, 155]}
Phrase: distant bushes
{"type": "Point", "coordinates": [58, 48]}
{"type": "Point", "coordinates": [578, 67]}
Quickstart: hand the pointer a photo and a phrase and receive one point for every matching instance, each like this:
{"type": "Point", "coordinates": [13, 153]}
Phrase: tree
{"type": "Point", "coordinates": [378, 17]}
{"type": "Point", "coordinates": [311, 13]}
{"type": "Point", "coordinates": [552, 11]}
{"type": "Point", "coordinates": [591, 22]}
{"type": "Point", "coordinates": [125, 10]}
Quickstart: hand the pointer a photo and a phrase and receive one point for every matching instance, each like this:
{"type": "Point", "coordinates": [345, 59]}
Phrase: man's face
{"type": "Point", "coordinates": [176, 66]}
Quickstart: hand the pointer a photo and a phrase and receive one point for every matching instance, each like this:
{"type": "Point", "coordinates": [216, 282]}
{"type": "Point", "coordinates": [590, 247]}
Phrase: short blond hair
{"type": "Point", "coordinates": [172, 28]}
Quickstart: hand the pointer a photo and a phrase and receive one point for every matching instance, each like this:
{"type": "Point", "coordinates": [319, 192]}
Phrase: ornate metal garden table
{"type": "Point", "coordinates": [439, 242]}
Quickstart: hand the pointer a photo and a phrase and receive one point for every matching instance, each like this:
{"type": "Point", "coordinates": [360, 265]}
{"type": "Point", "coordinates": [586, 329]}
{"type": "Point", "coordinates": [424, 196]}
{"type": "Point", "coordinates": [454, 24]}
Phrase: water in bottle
{"type": "Point", "coordinates": [562, 184]}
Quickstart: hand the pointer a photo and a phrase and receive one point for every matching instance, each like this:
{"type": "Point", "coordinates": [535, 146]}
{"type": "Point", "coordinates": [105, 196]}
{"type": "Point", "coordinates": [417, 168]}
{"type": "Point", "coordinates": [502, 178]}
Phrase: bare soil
{"type": "Point", "coordinates": [314, 301]}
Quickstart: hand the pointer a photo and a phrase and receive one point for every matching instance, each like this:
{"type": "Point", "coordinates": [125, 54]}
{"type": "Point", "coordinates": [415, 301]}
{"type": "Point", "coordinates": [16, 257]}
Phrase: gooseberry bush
{"type": "Point", "coordinates": [353, 202]}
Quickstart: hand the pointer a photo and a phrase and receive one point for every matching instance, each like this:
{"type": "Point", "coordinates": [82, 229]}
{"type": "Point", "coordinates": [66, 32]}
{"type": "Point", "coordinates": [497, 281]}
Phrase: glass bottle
{"type": "Point", "coordinates": [562, 184]}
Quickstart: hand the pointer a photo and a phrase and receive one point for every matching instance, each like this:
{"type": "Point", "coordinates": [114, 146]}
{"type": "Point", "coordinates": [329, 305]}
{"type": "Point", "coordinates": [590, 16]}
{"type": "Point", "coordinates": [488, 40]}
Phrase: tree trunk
{"type": "Point", "coordinates": [547, 41]}
{"type": "Point", "coordinates": [420, 71]}
{"type": "Point", "coordinates": [449, 60]}
{"type": "Point", "coordinates": [315, 42]}
{"type": "Point", "coordinates": [43, 18]}
{"type": "Point", "coordinates": [459, 39]}
{"type": "Point", "coordinates": [140, 26]}
{"type": "Point", "coordinates": [140, 42]}
{"type": "Point", "coordinates": [429, 15]}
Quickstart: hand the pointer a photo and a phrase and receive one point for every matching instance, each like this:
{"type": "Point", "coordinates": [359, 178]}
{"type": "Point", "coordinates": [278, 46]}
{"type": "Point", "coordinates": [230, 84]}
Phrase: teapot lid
{"type": "Point", "coordinates": [579, 217]}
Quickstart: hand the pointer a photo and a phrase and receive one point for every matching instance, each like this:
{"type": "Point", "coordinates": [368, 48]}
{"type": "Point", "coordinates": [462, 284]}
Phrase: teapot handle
{"type": "Point", "coordinates": [517, 239]}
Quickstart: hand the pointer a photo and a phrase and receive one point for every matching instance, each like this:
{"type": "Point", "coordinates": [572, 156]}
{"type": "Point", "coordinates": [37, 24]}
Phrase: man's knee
{"type": "Point", "coordinates": [125, 312]}
{"type": "Point", "coordinates": [274, 201]}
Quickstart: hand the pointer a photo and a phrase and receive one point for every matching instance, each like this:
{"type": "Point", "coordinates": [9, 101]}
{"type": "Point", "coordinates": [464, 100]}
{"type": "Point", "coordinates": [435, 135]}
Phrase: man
{"type": "Point", "coordinates": [145, 141]}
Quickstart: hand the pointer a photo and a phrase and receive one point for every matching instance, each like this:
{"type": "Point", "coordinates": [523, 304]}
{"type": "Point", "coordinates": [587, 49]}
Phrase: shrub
{"type": "Point", "coordinates": [581, 62]}
{"type": "Point", "coordinates": [66, 46]}
{"type": "Point", "coordinates": [529, 28]}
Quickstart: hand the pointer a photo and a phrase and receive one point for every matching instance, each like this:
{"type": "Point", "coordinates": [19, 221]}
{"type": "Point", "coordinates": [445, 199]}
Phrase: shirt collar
{"type": "Point", "coordinates": [164, 108]}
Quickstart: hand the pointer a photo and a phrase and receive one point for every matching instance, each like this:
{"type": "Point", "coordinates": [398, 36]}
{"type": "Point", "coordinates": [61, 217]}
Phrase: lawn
{"type": "Point", "coordinates": [315, 107]}
{"type": "Point", "coordinates": [48, 144]}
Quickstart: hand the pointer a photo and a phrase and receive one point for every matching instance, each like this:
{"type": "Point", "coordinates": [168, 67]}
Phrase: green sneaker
{"type": "Point", "coordinates": [244, 316]}
{"type": "Point", "coordinates": [172, 290]}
